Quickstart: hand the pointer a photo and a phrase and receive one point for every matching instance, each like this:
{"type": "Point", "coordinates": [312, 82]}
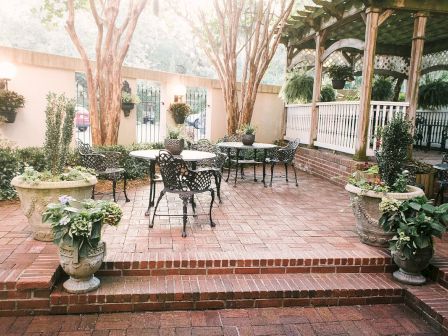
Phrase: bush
{"type": "Point", "coordinates": [31, 156]}
{"type": "Point", "coordinates": [433, 95]}
{"type": "Point", "coordinates": [298, 88]}
{"type": "Point", "coordinates": [395, 138]}
{"type": "Point", "coordinates": [327, 94]}
{"type": "Point", "coordinates": [382, 89]}
{"type": "Point", "coordinates": [9, 166]}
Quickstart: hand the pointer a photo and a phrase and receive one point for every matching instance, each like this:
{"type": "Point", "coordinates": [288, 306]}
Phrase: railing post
{"type": "Point", "coordinates": [320, 39]}
{"type": "Point", "coordinates": [366, 87]}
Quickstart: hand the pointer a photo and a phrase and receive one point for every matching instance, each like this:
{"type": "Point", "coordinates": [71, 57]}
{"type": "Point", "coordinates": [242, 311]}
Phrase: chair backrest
{"type": "Point", "coordinates": [83, 148]}
{"type": "Point", "coordinates": [174, 171]}
{"type": "Point", "coordinates": [287, 153]}
{"type": "Point", "coordinates": [203, 145]}
{"type": "Point", "coordinates": [232, 138]}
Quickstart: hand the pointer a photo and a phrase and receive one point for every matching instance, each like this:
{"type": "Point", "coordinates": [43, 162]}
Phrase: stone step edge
{"type": "Point", "coordinates": [254, 291]}
{"type": "Point", "coordinates": [438, 270]}
{"type": "Point", "coordinates": [247, 266]}
{"type": "Point", "coordinates": [433, 307]}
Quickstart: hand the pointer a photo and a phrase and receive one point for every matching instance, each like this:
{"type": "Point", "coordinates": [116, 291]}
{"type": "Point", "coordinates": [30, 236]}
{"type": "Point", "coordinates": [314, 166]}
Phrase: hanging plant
{"type": "Point", "coordinates": [10, 101]}
{"type": "Point", "coordinates": [382, 89]}
{"type": "Point", "coordinates": [433, 95]}
{"type": "Point", "coordinates": [179, 111]}
{"type": "Point", "coordinates": [298, 88]}
{"type": "Point", "coordinates": [339, 74]}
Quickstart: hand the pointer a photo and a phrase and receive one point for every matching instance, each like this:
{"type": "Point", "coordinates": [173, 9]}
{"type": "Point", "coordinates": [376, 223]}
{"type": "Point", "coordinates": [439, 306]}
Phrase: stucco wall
{"type": "Point", "coordinates": [39, 73]}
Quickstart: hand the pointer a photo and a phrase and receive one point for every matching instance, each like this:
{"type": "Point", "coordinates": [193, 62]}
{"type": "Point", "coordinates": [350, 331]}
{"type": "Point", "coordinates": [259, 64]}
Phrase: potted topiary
{"type": "Point", "coordinates": [10, 101]}
{"type": "Point", "coordinates": [389, 180]}
{"type": "Point", "coordinates": [37, 189]}
{"type": "Point", "coordinates": [179, 111]}
{"type": "Point", "coordinates": [413, 223]}
{"type": "Point", "coordinates": [247, 134]}
{"type": "Point", "coordinates": [174, 143]}
{"type": "Point", "coordinates": [76, 227]}
{"type": "Point", "coordinates": [128, 100]}
{"type": "Point", "coordinates": [339, 75]}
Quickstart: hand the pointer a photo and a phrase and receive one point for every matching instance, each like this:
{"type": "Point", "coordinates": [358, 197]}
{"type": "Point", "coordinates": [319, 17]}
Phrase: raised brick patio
{"type": "Point", "coordinates": [279, 246]}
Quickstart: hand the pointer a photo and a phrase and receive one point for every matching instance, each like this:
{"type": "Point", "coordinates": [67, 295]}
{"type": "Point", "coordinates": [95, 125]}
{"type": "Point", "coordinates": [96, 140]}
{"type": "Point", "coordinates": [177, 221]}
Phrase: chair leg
{"type": "Point", "coordinates": [218, 185]}
{"type": "Point", "coordinates": [184, 216]}
{"type": "Point", "coordinates": [162, 193]}
{"type": "Point", "coordinates": [93, 192]}
{"type": "Point", "coordinates": [193, 204]}
{"type": "Point", "coordinates": [114, 186]}
{"type": "Point", "coordinates": [228, 172]}
{"type": "Point", "coordinates": [125, 183]}
{"type": "Point", "coordinates": [272, 173]}
{"type": "Point", "coordinates": [286, 169]}
{"type": "Point", "coordinates": [295, 173]}
{"type": "Point", "coordinates": [212, 192]}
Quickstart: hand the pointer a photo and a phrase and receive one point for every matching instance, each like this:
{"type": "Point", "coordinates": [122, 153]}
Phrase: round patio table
{"type": "Point", "coordinates": [239, 146]}
{"type": "Point", "coordinates": [151, 155]}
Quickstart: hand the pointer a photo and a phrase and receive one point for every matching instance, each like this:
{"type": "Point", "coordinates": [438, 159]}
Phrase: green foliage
{"type": "Point", "coordinates": [52, 11]}
{"type": "Point", "coordinates": [78, 224]}
{"type": "Point", "coordinates": [9, 166]}
{"type": "Point", "coordinates": [395, 138]}
{"type": "Point", "coordinates": [368, 179]}
{"type": "Point", "coordinates": [31, 156]}
{"type": "Point", "coordinates": [60, 114]}
{"type": "Point", "coordinates": [414, 223]}
{"type": "Point", "coordinates": [247, 129]}
{"type": "Point", "coordinates": [179, 111]}
{"type": "Point", "coordinates": [129, 98]}
{"type": "Point", "coordinates": [174, 133]}
{"type": "Point", "coordinates": [327, 94]}
{"type": "Point", "coordinates": [382, 89]}
{"type": "Point", "coordinates": [10, 100]}
{"type": "Point", "coordinates": [298, 88]}
{"type": "Point", "coordinates": [341, 72]}
{"type": "Point", "coordinates": [433, 94]}
{"type": "Point", "coordinates": [78, 173]}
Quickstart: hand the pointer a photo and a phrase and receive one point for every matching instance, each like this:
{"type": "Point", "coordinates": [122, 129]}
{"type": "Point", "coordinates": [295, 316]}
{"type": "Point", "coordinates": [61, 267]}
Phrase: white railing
{"type": "Point", "coordinates": [298, 122]}
{"type": "Point", "coordinates": [338, 123]}
{"type": "Point", "coordinates": [337, 126]}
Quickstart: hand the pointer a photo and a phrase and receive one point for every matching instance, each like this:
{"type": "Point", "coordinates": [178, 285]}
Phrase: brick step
{"type": "Point", "coordinates": [438, 270]}
{"type": "Point", "coordinates": [431, 302]}
{"type": "Point", "coordinates": [228, 291]}
{"type": "Point", "coordinates": [164, 265]}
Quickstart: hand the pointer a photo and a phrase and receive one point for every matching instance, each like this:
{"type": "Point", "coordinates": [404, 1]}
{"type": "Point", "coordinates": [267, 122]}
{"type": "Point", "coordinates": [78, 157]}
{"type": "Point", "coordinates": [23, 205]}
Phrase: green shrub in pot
{"type": "Point", "coordinates": [10, 101]}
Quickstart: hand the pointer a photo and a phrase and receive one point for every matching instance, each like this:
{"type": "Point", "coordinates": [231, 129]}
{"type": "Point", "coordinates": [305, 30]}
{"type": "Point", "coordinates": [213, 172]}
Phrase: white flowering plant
{"type": "Point", "coordinates": [414, 223]}
{"type": "Point", "coordinates": [78, 224]}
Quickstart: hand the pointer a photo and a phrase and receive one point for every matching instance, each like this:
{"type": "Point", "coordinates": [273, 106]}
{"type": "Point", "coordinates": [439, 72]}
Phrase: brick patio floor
{"type": "Point", "coordinates": [354, 320]}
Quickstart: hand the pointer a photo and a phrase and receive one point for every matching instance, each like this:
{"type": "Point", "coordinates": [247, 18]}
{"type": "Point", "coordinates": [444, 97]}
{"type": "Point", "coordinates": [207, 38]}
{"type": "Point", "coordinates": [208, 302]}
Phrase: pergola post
{"type": "Point", "coordinates": [418, 41]}
{"type": "Point", "coordinates": [320, 39]}
{"type": "Point", "coordinates": [372, 16]}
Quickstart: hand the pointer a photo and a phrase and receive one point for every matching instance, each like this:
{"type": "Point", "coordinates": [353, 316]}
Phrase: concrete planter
{"type": "Point", "coordinates": [248, 139]}
{"type": "Point", "coordinates": [365, 204]}
{"type": "Point", "coordinates": [81, 269]}
{"type": "Point", "coordinates": [410, 269]}
{"type": "Point", "coordinates": [174, 146]}
{"type": "Point", "coordinates": [35, 197]}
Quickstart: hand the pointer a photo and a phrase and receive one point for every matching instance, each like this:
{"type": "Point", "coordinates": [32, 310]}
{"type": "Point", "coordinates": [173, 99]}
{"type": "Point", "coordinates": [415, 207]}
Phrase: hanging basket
{"type": "Point", "coordinates": [127, 107]}
{"type": "Point", "coordinates": [8, 115]}
{"type": "Point", "coordinates": [338, 84]}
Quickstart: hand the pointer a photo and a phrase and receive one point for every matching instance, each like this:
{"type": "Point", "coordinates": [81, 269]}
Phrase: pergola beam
{"type": "Point", "coordinates": [413, 5]}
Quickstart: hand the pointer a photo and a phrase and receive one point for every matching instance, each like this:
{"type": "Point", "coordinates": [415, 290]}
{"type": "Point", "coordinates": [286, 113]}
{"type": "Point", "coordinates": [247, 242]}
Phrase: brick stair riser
{"type": "Point", "coordinates": [25, 302]}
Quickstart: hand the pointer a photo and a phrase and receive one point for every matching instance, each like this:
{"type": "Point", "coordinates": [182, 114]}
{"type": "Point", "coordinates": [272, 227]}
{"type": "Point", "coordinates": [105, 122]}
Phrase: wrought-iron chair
{"type": "Point", "coordinates": [442, 180]}
{"type": "Point", "coordinates": [243, 158]}
{"type": "Point", "coordinates": [179, 179]}
{"type": "Point", "coordinates": [215, 165]}
{"type": "Point", "coordinates": [285, 155]}
{"type": "Point", "coordinates": [106, 164]}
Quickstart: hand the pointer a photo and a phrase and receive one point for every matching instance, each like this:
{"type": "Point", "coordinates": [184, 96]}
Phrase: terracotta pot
{"type": "Point", "coordinates": [35, 197]}
{"type": "Point", "coordinates": [338, 84]}
{"type": "Point", "coordinates": [174, 146]}
{"type": "Point", "coordinates": [9, 115]}
{"type": "Point", "coordinates": [81, 269]}
{"type": "Point", "coordinates": [248, 139]}
{"type": "Point", "coordinates": [365, 204]}
{"type": "Point", "coordinates": [410, 269]}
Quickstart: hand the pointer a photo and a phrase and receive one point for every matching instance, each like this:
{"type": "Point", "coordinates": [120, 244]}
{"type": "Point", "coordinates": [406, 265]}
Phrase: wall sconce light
{"type": "Point", "coordinates": [7, 72]}
{"type": "Point", "coordinates": [179, 93]}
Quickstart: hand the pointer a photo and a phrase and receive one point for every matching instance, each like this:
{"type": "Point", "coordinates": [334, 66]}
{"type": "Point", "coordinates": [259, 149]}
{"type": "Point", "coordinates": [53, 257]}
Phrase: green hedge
{"type": "Point", "coordinates": [13, 162]}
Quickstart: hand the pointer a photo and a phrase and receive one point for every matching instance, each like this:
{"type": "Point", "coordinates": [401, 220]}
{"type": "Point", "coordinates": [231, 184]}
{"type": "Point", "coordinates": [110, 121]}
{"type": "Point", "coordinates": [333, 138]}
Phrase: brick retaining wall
{"type": "Point", "coordinates": [334, 167]}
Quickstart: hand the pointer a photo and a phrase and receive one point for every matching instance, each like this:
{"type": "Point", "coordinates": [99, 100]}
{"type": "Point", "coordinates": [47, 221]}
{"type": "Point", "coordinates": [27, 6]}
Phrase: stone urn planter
{"type": "Point", "coordinates": [35, 197]}
{"type": "Point", "coordinates": [248, 139]}
{"type": "Point", "coordinates": [365, 204]}
{"type": "Point", "coordinates": [174, 146]}
{"type": "Point", "coordinates": [81, 269]}
{"type": "Point", "coordinates": [410, 269]}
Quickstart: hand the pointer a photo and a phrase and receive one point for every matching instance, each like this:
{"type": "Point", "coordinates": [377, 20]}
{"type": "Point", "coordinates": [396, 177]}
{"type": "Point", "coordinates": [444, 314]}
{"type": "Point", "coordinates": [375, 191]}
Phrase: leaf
{"type": "Point", "coordinates": [429, 208]}
{"type": "Point", "coordinates": [415, 206]}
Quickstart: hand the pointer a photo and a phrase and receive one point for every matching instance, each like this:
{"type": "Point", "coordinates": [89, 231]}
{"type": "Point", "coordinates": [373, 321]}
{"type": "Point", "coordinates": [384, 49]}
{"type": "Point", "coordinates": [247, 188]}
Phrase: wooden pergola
{"type": "Point", "coordinates": [399, 38]}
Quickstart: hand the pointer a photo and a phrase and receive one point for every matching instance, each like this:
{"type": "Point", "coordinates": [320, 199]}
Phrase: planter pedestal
{"type": "Point", "coordinates": [409, 278]}
{"type": "Point", "coordinates": [410, 269]}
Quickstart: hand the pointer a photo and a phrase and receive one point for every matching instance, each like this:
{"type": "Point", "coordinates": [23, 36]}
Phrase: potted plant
{"type": "Point", "coordinates": [37, 189]}
{"type": "Point", "coordinates": [174, 143]}
{"type": "Point", "coordinates": [339, 75]}
{"type": "Point", "coordinates": [128, 100]}
{"type": "Point", "coordinates": [413, 223]}
{"type": "Point", "coordinates": [76, 227]}
{"type": "Point", "coordinates": [433, 94]}
{"type": "Point", "coordinates": [298, 88]}
{"type": "Point", "coordinates": [179, 111]}
{"type": "Point", "coordinates": [388, 179]}
{"type": "Point", "coordinates": [423, 175]}
{"type": "Point", "coordinates": [247, 134]}
{"type": "Point", "coordinates": [10, 101]}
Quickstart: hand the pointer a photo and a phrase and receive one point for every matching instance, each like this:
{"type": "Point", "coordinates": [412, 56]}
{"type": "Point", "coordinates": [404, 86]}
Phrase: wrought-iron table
{"type": "Point", "coordinates": [151, 155]}
{"type": "Point", "coordinates": [239, 146]}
